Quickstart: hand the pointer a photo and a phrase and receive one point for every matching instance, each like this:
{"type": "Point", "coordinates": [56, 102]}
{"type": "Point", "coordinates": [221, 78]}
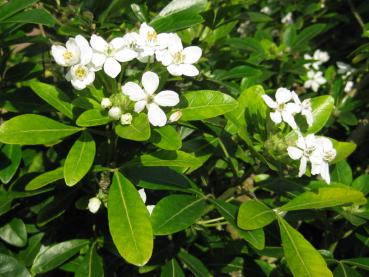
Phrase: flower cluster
{"type": "Point", "coordinates": [85, 58]}
{"type": "Point", "coordinates": [318, 151]}
{"type": "Point", "coordinates": [346, 71]}
{"type": "Point", "coordinates": [314, 76]}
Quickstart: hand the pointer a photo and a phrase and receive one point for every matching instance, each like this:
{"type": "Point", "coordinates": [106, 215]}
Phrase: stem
{"type": "Point", "coordinates": [210, 220]}
{"type": "Point", "coordinates": [357, 15]}
{"type": "Point", "coordinates": [228, 157]}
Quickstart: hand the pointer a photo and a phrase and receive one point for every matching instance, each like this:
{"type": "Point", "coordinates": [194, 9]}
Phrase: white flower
{"type": "Point", "coordinates": [94, 204]}
{"type": "Point", "coordinates": [143, 197]}
{"type": "Point", "coordinates": [267, 10]}
{"type": "Point", "coordinates": [315, 79]}
{"type": "Point", "coordinates": [105, 103]}
{"type": "Point", "coordinates": [115, 113]}
{"type": "Point", "coordinates": [348, 87]}
{"type": "Point", "coordinates": [319, 58]}
{"type": "Point", "coordinates": [146, 98]}
{"type": "Point", "coordinates": [322, 157]}
{"type": "Point", "coordinates": [80, 76]}
{"type": "Point", "coordinates": [179, 61]}
{"type": "Point", "coordinates": [174, 117]}
{"type": "Point", "coordinates": [283, 111]}
{"type": "Point", "coordinates": [108, 55]}
{"type": "Point", "coordinates": [76, 51]}
{"type": "Point", "coordinates": [126, 119]}
{"type": "Point", "coordinates": [305, 108]}
{"type": "Point", "coordinates": [345, 69]}
{"type": "Point", "coordinates": [287, 19]}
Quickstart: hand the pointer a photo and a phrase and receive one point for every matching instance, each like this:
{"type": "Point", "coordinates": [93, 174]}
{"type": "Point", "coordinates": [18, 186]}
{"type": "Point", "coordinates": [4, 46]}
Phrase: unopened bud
{"type": "Point", "coordinates": [126, 119]}
{"type": "Point", "coordinates": [106, 103]}
{"type": "Point", "coordinates": [115, 113]}
{"type": "Point", "coordinates": [175, 116]}
{"type": "Point", "coordinates": [94, 204]}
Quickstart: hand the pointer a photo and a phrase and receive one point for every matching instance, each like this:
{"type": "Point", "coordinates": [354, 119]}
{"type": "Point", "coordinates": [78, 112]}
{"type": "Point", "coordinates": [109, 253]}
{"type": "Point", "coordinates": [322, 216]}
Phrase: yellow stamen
{"type": "Point", "coordinates": [151, 36]}
{"type": "Point", "coordinates": [80, 72]}
{"type": "Point", "coordinates": [67, 55]}
{"type": "Point", "coordinates": [179, 57]}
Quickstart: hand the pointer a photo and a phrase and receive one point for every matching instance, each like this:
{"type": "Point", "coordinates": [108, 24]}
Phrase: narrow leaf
{"type": "Point", "coordinates": [45, 179]}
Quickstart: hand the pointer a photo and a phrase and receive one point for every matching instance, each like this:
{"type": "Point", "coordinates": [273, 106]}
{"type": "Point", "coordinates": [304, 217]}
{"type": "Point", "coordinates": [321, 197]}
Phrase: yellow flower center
{"type": "Point", "coordinates": [68, 55]}
{"type": "Point", "coordinates": [179, 57]}
{"type": "Point", "coordinates": [109, 50]}
{"type": "Point", "coordinates": [151, 36]}
{"type": "Point", "coordinates": [80, 73]}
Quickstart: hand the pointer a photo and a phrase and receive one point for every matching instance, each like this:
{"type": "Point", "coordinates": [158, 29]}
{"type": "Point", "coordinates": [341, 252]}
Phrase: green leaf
{"type": "Point", "coordinates": [11, 267]}
{"type": "Point", "coordinates": [361, 183]}
{"type": "Point", "coordinates": [166, 138]}
{"type": "Point", "coordinates": [10, 158]}
{"type": "Point", "coordinates": [54, 96]}
{"type": "Point", "coordinates": [46, 179]}
{"type": "Point", "coordinates": [93, 118]}
{"type": "Point", "coordinates": [194, 264]}
{"type": "Point", "coordinates": [255, 237]}
{"type": "Point", "coordinates": [14, 233]}
{"type": "Point", "coordinates": [35, 16]}
{"type": "Point", "coordinates": [342, 173]}
{"type": "Point", "coordinates": [172, 269]}
{"type": "Point", "coordinates": [6, 200]}
{"type": "Point", "coordinates": [32, 129]}
{"type": "Point", "coordinates": [343, 270]}
{"type": "Point", "coordinates": [302, 258]}
{"type": "Point", "coordinates": [343, 149]}
{"type": "Point", "coordinates": [92, 264]}
{"type": "Point", "coordinates": [53, 256]}
{"type": "Point", "coordinates": [326, 197]}
{"type": "Point", "coordinates": [175, 213]}
{"type": "Point", "coordinates": [254, 214]}
{"type": "Point", "coordinates": [203, 104]}
{"type": "Point", "coordinates": [138, 130]}
{"type": "Point", "coordinates": [307, 34]}
{"type": "Point", "coordinates": [14, 6]}
{"type": "Point", "coordinates": [166, 158]}
{"type": "Point", "coordinates": [322, 107]}
{"type": "Point", "coordinates": [362, 263]}
{"type": "Point", "coordinates": [33, 247]}
{"type": "Point", "coordinates": [129, 222]}
{"type": "Point", "coordinates": [80, 159]}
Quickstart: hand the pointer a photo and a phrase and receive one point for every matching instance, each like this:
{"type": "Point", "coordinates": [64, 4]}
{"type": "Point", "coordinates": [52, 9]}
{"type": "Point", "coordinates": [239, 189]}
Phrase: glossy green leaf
{"type": "Point", "coordinates": [14, 6]}
{"type": "Point", "coordinates": [14, 233]}
{"type": "Point", "coordinates": [343, 149]}
{"type": "Point", "coordinates": [361, 262]}
{"type": "Point", "coordinates": [54, 96]}
{"type": "Point", "coordinates": [6, 200]}
{"type": "Point", "coordinates": [193, 264]}
{"type": "Point", "coordinates": [203, 104]}
{"type": "Point", "coordinates": [306, 35]}
{"type": "Point", "coordinates": [342, 173]}
{"type": "Point", "coordinates": [138, 130]}
{"type": "Point", "coordinates": [175, 213]}
{"type": "Point", "coordinates": [322, 107]}
{"type": "Point", "coordinates": [10, 158]}
{"type": "Point", "coordinates": [46, 179]}
{"type": "Point", "coordinates": [92, 264]}
{"type": "Point", "coordinates": [254, 214]}
{"type": "Point", "coordinates": [53, 256]}
{"type": "Point", "coordinates": [32, 129]}
{"type": "Point", "coordinates": [129, 222]}
{"type": "Point", "coordinates": [80, 159]}
{"type": "Point", "coordinates": [166, 138]}
{"type": "Point", "coordinates": [255, 237]}
{"type": "Point", "coordinates": [343, 270]}
{"type": "Point", "coordinates": [28, 254]}
{"type": "Point", "coordinates": [35, 16]}
{"type": "Point", "coordinates": [11, 267]}
{"type": "Point", "coordinates": [93, 118]}
{"type": "Point", "coordinates": [302, 258]}
{"type": "Point", "coordinates": [326, 197]}
{"type": "Point", "coordinates": [361, 183]}
{"type": "Point", "coordinates": [172, 269]}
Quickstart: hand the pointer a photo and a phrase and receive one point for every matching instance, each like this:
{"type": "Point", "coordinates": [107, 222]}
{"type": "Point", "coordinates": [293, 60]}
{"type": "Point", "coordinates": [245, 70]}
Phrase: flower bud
{"type": "Point", "coordinates": [115, 113]}
{"type": "Point", "coordinates": [175, 116]}
{"type": "Point", "coordinates": [126, 119]}
{"type": "Point", "coordinates": [94, 204]}
{"type": "Point", "coordinates": [106, 103]}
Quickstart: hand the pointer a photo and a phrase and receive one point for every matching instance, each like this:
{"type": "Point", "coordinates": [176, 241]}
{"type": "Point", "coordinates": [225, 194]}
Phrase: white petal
{"type": "Point", "coordinates": [295, 98]}
{"type": "Point", "coordinates": [294, 152]}
{"type": "Point", "coordinates": [175, 44]}
{"type": "Point", "coordinates": [57, 52]}
{"type": "Point", "coordinates": [142, 194]}
{"type": "Point", "coordinates": [269, 101]}
{"type": "Point", "coordinates": [72, 46]}
{"type": "Point", "coordinates": [166, 98]}
{"type": "Point", "coordinates": [77, 84]}
{"type": "Point", "coordinates": [111, 67]}
{"type": "Point", "coordinates": [98, 59]}
{"type": "Point", "coordinates": [302, 168]}
{"type": "Point", "coordinates": [324, 172]}
{"type": "Point", "coordinates": [283, 95]}
{"type": "Point", "coordinates": [308, 84]}
{"type": "Point", "coordinates": [90, 78]}
{"type": "Point", "coordinates": [175, 69]}
{"type": "Point", "coordinates": [192, 54]}
{"type": "Point", "coordinates": [98, 43]}
{"type": "Point", "coordinates": [150, 81]}
{"type": "Point", "coordinates": [85, 49]}
{"type": "Point", "coordinates": [289, 119]}
{"type": "Point", "coordinates": [315, 86]}
{"type": "Point", "coordinates": [133, 91]}
{"type": "Point", "coordinates": [156, 115]}
{"type": "Point", "coordinates": [140, 105]}
{"type": "Point", "coordinates": [276, 117]}
{"type": "Point", "coordinates": [293, 108]}
{"type": "Point", "coordinates": [166, 58]}
{"type": "Point", "coordinates": [150, 208]}
{"type": "Point", "coordinates": [144, 29]}
{"type": "Point", "coordinates": [315, 168]}
{"type": "Point", "coordinates": [125, 55]}
{"type": "Point", "coordinates": [189, 70]}
{"type": "Point", "coordinates": [68, 76]}
{"type": "Point", "coordinates": [117, 43]}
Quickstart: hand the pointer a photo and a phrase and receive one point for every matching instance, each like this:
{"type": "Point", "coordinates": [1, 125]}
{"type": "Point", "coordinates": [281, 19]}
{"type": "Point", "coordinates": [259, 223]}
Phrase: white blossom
{"type": "Point", "coordinates": [106, 103]}
{"type": "Point", "coordinates": [76, 51]}
{"type": "Point", "coordinates": [126, 119]}
{"type": "Point", "coordinates": [284, 110]}
{"type": "Point", "coordinates": [142, 193]}
{"type": "Point", "coordinates": [178, 60]}
{"type": "Point", "coordinates": [287, 19]}
{"type": "Point", "coordinates": [145, 97]}
{"type": "Point", "coordinates": [315, 80]}
{"type": "Point", "coordinates": [115, 113]}
{"type": "Point", "coordinates": [94, 204]}
{"type": "Point", "coordinates": [348, 87]}
{"type": "Point", "coordinates": [174, 117]}
{"type": "Point", "coordinates": [108, 55]}
{"type": "Point", "coordinates": [267, 10]}
{"type": "Point", "coordinates": [305, 108]}
{"type": "Point", "coordinates": [319, 57]}
{"type": "Point", "coordinates": [80, 76]}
